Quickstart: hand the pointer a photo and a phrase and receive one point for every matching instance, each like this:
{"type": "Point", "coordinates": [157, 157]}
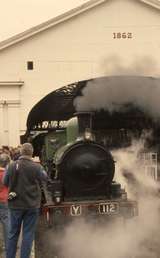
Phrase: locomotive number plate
{"type": "Point", "coordinates": [75, 210]}
{"type": "Point", "coordinates": [108, 208]}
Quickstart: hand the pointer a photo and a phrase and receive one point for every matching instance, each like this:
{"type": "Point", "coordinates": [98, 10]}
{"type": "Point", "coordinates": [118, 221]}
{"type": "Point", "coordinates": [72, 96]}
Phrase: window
{"type": "Point", "coordinates": [30, 65]}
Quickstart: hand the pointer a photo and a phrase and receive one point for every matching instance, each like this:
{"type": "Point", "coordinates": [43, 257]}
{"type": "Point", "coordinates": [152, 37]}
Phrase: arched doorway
{"type": "Point", "coordinates": [119, 102]}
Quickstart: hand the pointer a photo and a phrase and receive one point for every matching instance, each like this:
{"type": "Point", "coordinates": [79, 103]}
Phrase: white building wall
{"type": "Point", "coordinates": [83, 47]}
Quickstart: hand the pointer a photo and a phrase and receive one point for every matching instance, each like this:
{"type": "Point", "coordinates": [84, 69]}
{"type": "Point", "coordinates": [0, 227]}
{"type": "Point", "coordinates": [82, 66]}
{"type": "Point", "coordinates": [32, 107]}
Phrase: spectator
{"type": "Point", "coordinates": [6, 150]}
{"type": "Point", "coordinates": [4, 161]}
{"type": "Point", "coordinates": [24, 208]}
{"type": "Point", "coordinates": [15, 152]}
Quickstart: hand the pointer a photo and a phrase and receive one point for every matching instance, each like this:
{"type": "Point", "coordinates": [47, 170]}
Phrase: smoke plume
{"type": "Point", "coordinates": [112, 93]}
{"type": "Point", "coordinates": [137, 237]}
{"type": "Point", "coordinates": [138, 66]}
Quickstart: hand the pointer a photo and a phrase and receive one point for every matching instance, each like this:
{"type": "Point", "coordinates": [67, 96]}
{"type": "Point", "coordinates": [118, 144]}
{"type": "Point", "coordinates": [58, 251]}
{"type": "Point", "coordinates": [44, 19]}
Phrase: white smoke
{"type": "Point", "coordinates": [133, 238]}
{"type": "Point", "coordinates": [137, 237]}
{"type": "Point", "coordinates": [138, 66]}
{"type": "Point", "coordinates": [133, 168]}
{"type": "Point", "coordinates": [111, 93]}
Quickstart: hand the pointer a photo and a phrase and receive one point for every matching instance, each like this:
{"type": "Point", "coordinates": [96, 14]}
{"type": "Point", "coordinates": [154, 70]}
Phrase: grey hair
{"type": "Point", "coordinates": [26, 149]}
{"type": "Point", "coordinates": [4, 160]}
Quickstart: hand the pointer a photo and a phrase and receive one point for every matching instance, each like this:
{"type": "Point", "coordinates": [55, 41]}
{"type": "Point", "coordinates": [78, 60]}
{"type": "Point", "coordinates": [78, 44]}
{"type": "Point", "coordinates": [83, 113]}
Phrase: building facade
{"type": "Point", "coordinates": [98, 38]}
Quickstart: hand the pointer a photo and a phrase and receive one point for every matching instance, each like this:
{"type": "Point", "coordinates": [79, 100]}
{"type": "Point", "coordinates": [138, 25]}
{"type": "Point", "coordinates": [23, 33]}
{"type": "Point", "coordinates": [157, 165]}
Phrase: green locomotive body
{"type": "Point", "coordinates": [82, 172]}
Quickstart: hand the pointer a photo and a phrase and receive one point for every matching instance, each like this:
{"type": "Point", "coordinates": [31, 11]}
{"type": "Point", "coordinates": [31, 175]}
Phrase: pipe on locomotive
{"type": "Point", "coordinates": [85, 126]}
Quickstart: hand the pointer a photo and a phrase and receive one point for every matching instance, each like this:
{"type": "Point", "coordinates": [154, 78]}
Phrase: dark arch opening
{"type": "Point", "coordinates": [58, 106]}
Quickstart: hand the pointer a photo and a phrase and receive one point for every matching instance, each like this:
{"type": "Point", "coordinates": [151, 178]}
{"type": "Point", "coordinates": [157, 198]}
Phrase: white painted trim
{"type": "Point", "coordinates": [11, 83]}
{"type": "Point", "coordinates": [154, 3]}
{"type": "Point", "coordinates": [8, 102]}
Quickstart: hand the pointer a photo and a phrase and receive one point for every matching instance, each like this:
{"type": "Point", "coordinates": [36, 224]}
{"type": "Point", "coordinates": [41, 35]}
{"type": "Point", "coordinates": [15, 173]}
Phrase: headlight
{"type": "Point", "coordinates": [57, 191]}
{"type": "Point", "coordinates": [88, 136]}
{"type": "Point", "coordinates": [57, 199]}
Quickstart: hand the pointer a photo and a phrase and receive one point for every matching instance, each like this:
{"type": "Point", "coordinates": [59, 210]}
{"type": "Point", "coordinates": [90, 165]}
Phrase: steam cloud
{"type": "Point", "coordinates": [111, 93]}
{"type": "Point", "coordinates": [138, 237]}
{"type": "Point", "coordinates": [138, 66]}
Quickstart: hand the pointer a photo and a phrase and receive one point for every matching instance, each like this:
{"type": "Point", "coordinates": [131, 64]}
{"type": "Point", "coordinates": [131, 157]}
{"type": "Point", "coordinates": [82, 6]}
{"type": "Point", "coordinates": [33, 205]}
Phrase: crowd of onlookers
{"type": "Point", "coordinates": [20, 197]}
{"type": "Point", "coordinates": [13, 152]}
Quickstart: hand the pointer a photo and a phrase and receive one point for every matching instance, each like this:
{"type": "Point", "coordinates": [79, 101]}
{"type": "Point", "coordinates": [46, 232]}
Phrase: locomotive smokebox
{"type": "Point", "coordinates": [84, 122]}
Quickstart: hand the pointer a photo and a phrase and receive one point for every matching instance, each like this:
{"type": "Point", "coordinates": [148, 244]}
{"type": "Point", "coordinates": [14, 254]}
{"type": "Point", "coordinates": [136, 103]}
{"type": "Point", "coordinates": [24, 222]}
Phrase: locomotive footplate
{"type": "Point", "coordinates": [84, 209]}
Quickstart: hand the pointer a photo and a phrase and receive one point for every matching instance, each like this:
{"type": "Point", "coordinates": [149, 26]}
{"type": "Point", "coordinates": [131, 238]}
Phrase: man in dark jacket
{"type": "Point", "coordinates": [23, 177]}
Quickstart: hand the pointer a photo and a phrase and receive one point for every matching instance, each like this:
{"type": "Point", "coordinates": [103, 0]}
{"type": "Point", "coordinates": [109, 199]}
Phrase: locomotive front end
{"type": "Point", "coordinates": [83, 183]}
{"type": "Point", "coordinates": [86, 169]}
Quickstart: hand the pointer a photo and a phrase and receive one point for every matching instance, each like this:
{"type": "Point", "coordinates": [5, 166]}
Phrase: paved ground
{"type": "Point", "coordinates": [42, 253]}
{"type": "Point", "coordinates": [1, 243]}
{"type": "Point", "coordinates": [2, 255]}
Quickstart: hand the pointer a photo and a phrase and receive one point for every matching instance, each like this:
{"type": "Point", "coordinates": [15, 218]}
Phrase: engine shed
{"type": "Point", "coordinates": [66, 49]}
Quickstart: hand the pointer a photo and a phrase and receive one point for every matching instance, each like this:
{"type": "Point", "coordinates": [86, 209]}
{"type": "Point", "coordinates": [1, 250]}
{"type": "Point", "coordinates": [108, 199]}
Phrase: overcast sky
{"type": "Point", "coordinates": [19, 15]}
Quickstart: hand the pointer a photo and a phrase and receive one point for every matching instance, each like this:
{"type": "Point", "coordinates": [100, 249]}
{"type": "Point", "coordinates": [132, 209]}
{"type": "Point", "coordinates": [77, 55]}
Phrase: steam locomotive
{"type": "Point", "coordinates": [82, 171]}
